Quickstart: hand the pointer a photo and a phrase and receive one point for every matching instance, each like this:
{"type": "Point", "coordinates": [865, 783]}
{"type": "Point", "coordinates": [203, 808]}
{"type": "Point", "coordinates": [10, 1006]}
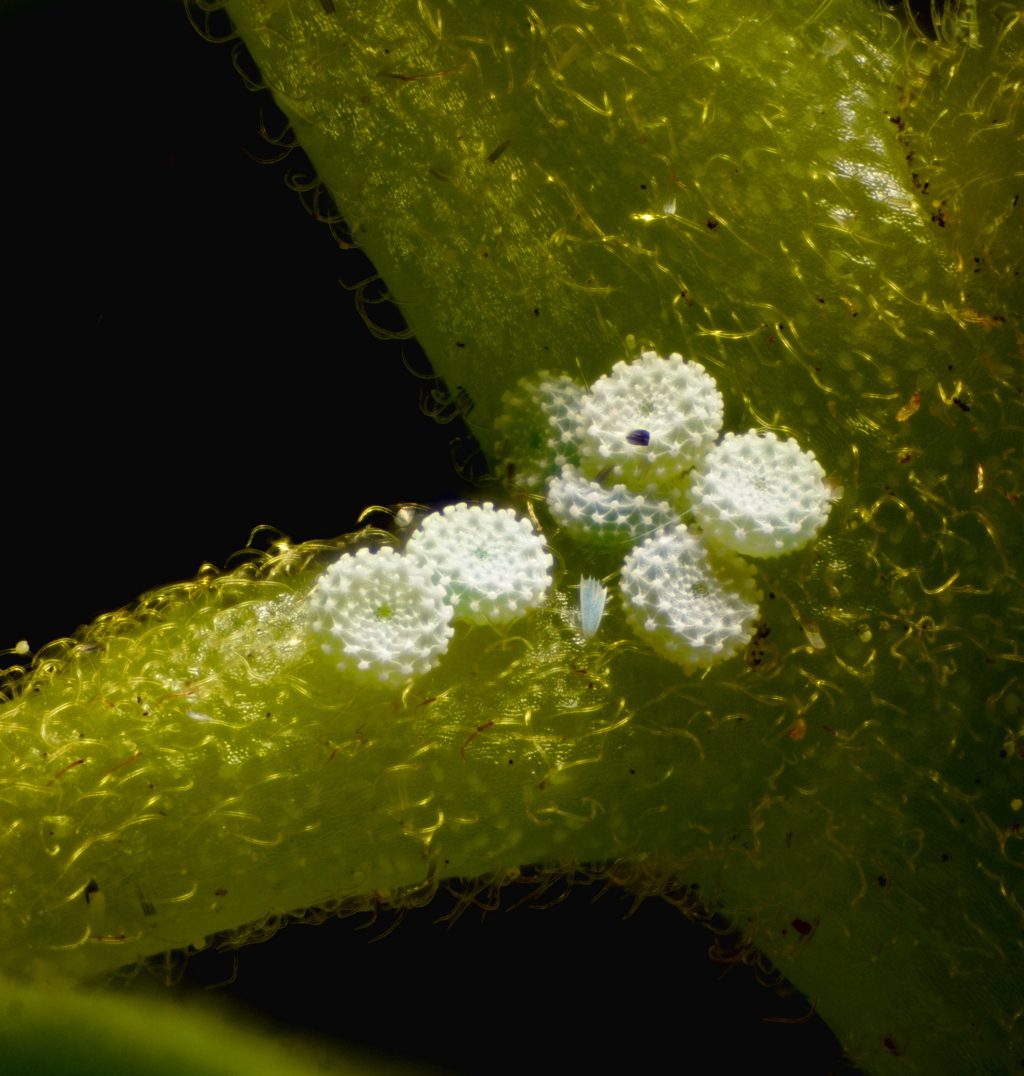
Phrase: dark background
{"type": "Point", "coordinates": [180, 364]}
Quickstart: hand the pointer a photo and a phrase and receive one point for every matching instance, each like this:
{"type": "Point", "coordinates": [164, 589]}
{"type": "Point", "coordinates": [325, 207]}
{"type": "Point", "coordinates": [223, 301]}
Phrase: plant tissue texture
{"type": "Point", "coordinates": [822, 210]}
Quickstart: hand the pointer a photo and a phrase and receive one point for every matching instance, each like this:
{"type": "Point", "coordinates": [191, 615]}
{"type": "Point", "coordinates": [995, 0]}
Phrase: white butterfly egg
{"type": "Point", "coordinates": [692, 606]}
{"type": "Point", "coordinates": [492, 564]}
{"type": "Point", "coordinates": [605, 516]}
{"type": "Point", "coordinates": [649, 421]}
{"type": "Point", "coordinates": [381, 616]}
{"type": "Point", "coordinates": [759, 495]}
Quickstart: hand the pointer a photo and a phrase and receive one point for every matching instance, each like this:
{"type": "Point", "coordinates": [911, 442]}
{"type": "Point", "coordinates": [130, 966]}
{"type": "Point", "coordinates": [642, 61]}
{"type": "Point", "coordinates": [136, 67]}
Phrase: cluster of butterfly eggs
{"type": "Point", "coordinates": [638, 463]}
{"type": "Point", "coordinates": [386, 615]}
{"type": "Point", "coordinates": [635, 462]}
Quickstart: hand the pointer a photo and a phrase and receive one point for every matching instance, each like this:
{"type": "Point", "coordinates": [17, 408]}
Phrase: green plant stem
{"type": "Point", "coordinates": [557, 190]}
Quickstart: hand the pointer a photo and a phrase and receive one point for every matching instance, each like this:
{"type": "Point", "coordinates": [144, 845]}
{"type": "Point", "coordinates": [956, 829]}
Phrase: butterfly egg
{"type": "Point", "coordinates": [537, 428]}
{"type": "Point", "coordinates": [597, 515]}
{"type": "Point", "coordinates": [381, 616]}
{"type": "Point", "coordinates": [759, 495]}
{"type": "Point", "coordinates": [692, 606]}
{"type": "Point", "coordinates": [491, 563]}
{"type": "Point", "coordinates": [650, 420]}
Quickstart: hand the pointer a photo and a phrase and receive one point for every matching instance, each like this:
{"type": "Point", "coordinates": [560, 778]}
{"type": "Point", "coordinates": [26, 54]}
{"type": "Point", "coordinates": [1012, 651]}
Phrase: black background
{"type": "Point", "coordinates": [180, 364]}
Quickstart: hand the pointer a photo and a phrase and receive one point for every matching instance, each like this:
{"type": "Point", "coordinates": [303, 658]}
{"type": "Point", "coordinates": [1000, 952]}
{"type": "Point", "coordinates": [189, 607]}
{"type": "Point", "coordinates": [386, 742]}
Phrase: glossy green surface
{"type": "Point", "coordinates": [801, 202]}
